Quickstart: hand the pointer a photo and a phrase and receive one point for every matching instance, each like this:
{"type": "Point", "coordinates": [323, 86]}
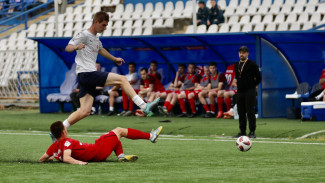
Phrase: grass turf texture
{"type": "Point", "coordinates": [197, 157]}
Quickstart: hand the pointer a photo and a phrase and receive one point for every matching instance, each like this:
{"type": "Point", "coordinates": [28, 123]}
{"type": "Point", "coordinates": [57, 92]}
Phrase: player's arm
{"type": "Point", "coordinates": [150, 88]}
{"type": "Point", "coordinates": [45, 158]}
{"type": "Point", "coordinates": [322, 81]}
{"type": "Point", "coordinates": [208, 87]}
{"type": "Point", "coordinates": [68, 159]}
{"type": "Point", "coordinates": [103, 52]}
{"type": "Point", "coordinates": [72, 48]}
{"type": "Point", "coordinates": [176, 80]}
{"type": "Point", "coordinates": [234, 83]}
{"type": "Point", "coordinates": [220, 84]}
{"type": "Point", "coordinates": [171, 86]}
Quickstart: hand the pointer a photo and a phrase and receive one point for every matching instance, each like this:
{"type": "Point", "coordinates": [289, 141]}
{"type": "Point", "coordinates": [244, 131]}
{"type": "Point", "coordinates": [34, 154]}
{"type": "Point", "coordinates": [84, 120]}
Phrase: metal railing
{"type": "Point", "coordinates": [22, 16]}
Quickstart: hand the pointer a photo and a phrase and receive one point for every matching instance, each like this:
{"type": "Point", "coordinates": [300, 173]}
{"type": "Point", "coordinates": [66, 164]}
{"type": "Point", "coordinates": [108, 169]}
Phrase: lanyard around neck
{"type": "Point", "coordinates": [242, 68]}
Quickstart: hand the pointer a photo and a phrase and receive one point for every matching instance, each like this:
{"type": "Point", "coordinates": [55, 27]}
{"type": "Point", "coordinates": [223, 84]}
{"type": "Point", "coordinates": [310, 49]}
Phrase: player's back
{"type": "Point", "coordinates": [79, 151]}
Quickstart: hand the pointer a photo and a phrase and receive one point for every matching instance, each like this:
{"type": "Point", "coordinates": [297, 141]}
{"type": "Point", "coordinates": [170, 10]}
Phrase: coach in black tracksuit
{"type": "Point", "coordinates": [248, 77]}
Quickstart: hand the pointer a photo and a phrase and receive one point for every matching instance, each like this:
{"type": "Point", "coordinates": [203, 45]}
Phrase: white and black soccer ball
{"type": "Point", "coordinates": [244, 143]}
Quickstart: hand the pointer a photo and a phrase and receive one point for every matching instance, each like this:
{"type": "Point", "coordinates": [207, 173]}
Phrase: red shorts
{"type": "Point", "coordinates": [166, 91]}
{"type": "Point", "coordinates": [106, 145]}
{"type": "Point", "coordinates": [235, 91]}
{"type": "Point", "coordinates": [187, 92]}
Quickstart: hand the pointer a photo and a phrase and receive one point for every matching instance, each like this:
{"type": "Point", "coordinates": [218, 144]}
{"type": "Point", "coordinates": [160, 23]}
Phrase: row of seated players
{"type": "Point", "coordinates": [188, 86]}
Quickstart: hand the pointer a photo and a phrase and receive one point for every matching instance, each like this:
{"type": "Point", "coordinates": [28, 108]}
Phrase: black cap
{"type": "Point", "coordinates": [244, 49]}
{"type": "Point", "coordinates": [201, 2]}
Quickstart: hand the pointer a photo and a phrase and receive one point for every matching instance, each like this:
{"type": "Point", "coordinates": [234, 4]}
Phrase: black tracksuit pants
{"type": "Point", "coordinates": [246, 102]}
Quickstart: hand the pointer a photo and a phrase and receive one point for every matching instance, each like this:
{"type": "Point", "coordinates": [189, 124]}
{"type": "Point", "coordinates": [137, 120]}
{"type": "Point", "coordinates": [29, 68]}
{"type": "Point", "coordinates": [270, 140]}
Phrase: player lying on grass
{"type": "Point", "coordinates": [74, 152]}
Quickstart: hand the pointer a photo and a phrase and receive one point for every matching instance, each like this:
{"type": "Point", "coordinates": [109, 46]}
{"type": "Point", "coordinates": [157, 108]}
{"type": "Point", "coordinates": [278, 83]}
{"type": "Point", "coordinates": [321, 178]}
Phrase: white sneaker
{"type": "Point", "coordinates": [155, 134]}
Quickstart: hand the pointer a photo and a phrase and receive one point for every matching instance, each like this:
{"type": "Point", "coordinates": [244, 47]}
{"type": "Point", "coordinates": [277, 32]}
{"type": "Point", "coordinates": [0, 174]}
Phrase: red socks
{"type": "Point", "coordinates": [170, 107]}
{"type": "Point", "coordinates": [192, 105]}
{"type": "Point", "coordinates": [118, 148]}
{"type": "Point", "coordinates": [228, 103]}
{"type": "Point", "coordinates": [213, 108]}
{"type": "Point", "coordinates": [220, 103]}
{"type": "Point", "coordinates": [166, 104]}
{"type": "Point", "coordinates": [125, 101]}
{"type": "Point", "coordinates": [137, 134]}
{"type": "Point", "coordinates": [206, 108]}
{"type": "Point", "coordinates": [182, 105]}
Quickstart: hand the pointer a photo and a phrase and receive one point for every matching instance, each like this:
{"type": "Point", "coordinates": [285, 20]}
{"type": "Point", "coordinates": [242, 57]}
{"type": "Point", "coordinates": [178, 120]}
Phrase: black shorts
{"type": "Point", "coordinates": [88, 81]}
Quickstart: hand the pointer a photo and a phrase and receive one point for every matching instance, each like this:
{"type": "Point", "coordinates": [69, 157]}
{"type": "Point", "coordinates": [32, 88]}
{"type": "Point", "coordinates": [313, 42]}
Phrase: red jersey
{"type": "Point", "coordinates": [79, 151]}
{"type": "Point", "coordinates": [230, 74]}
{"type": "Point", "coordinates": [157, 86]}
{"type": "Point", "coordinates": [156, 75]}
{"type": "Point", "coordinates": [200, 70]}
{"type": "Point", "coordinates": [323, 76]}
{"type": "Point", "coordinates": [146, 82]}
{"type": "Point", "coordinates": [180, 78]}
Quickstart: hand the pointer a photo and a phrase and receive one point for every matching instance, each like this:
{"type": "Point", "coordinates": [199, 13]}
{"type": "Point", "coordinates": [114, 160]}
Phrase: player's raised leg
{"type": "Point", "coordinates": [134, 134]}
{"type": "Point", "coordinates": [121, 81]}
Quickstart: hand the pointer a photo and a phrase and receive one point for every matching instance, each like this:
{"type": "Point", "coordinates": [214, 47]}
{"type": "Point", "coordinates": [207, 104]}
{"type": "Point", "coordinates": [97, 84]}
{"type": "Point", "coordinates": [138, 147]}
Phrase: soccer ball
{"type": "Point", "coordinates": [244, 143]}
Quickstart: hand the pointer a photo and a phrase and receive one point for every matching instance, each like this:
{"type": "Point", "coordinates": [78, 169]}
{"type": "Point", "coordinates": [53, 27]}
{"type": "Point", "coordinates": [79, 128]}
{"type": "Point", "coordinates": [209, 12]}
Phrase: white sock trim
{"type": "Point", "coordinates": [66, 124]}
{"type": "Point", "coordinates": [121, 155]}
{"type": "Point", "coordinates": [139, 102]}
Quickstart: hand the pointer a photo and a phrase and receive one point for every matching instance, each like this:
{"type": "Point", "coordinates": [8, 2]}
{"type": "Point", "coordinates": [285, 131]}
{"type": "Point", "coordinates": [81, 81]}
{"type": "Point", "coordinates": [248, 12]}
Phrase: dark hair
{"type": "Point", "coordinates": [212, 64]}
{"type": "Point", "coordinates": [154, 62]}
{"type": "Point", "coordinates": [243, 49]}
{"type": "Point", "coordinates": [182, 65]}
{"type": "Point", "coordinates": [100, 17]}
{"type": "Point", "coordinates": [132, 63]}
{"type": "Point", "coordinates": [201, 2]}
{"type": "Point", "coordinates": [57, 129]}
{"type": "Point", "coordinates": [144, 69]}
{"type": "Point", "coordinates": [192, 64]}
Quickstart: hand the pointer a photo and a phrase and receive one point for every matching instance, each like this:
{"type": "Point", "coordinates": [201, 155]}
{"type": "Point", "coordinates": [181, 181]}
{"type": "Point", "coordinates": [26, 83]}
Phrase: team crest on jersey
{"type": "Point", "coordinates": [67, 144]}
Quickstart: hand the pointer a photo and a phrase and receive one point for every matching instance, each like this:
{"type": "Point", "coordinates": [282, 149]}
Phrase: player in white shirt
{"type": "Point", "coordinates": [88, 45]}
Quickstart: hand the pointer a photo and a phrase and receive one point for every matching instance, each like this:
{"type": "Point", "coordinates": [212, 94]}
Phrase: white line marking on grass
{"type": "Point", "coordinates": [234, 140]}
{"type": "Point", "coordinates": [182, 139]}
{"type": "Point", "coordinates": [310, 134]}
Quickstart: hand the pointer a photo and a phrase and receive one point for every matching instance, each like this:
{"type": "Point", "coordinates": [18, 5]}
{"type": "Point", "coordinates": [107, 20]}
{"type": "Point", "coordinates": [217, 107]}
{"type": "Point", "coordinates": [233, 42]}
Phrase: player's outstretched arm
{"type": "Point", "coordinates": [68, 159]}
{"type": "Point", "coordinates": [72, 48]}
{"type": "Point", "coordinates": [45, 158]}
{"type": "Point", "coordinates": [103, 52]}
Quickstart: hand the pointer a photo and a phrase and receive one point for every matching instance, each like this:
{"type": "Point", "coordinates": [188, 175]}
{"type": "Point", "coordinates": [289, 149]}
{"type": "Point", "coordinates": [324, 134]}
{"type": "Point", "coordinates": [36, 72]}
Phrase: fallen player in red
{"type": "Point", "coordinates": [74, 152]}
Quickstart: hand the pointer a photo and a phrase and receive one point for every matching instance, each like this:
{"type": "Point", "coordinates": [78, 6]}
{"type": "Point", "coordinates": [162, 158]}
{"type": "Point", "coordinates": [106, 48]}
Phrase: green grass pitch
{"type": "Point", "coordinates": [189, 150]}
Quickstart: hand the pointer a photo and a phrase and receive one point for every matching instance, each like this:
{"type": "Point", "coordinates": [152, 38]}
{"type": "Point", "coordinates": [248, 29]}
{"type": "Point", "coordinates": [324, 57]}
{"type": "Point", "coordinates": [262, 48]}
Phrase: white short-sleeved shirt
{"type": "Point", "coordinates": [134, 76]}
{"type": "Point", "coordinates": [86, 57]}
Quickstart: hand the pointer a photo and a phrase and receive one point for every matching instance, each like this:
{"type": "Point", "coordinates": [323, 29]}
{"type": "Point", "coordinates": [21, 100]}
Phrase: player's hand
{"type": "Point", "coordinates": [80, 46]}
{"type": "Point", "coordinates": [83, 163]}
{"type": "Point", "coordinates": [50, 159]}
{"type": "Point", "coordinates": [119, 61]}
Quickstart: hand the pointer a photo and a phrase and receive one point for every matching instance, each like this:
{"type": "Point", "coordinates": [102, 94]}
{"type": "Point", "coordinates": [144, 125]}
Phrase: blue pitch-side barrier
{"type": "Point", "coordinates": [285, 59]}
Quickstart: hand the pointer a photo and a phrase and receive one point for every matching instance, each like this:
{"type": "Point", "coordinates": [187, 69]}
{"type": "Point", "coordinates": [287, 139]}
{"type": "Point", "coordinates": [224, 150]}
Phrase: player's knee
{"type": "Point", "coordinates": [85, 113]}
{"type": "Point", "coordinates": [123, 79]}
